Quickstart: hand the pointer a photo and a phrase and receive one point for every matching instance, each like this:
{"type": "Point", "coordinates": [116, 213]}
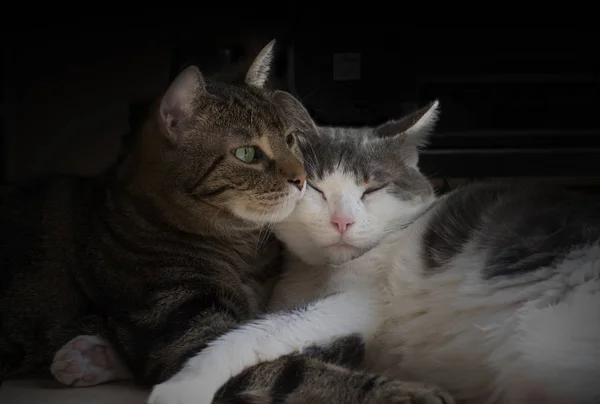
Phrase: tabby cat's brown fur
{"type": "Point", "coordinates": [169, 250]}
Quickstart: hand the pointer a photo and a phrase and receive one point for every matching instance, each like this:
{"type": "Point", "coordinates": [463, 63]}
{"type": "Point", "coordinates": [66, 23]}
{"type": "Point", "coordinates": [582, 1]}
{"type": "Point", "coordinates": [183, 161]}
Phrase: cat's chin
{"type": "Point", "coordinates": [267, 212]}
{"type": "Point", "coordinates": [266, 215]}
{"type": "Point", "coordinates": [326, 255]}
{"type": "Point", "coordinates": [338, 254]}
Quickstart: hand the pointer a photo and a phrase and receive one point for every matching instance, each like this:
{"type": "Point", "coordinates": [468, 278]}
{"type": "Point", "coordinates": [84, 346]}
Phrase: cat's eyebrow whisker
{"type": "Point", "coordinates": [312, 151]}
{"type": "Point", "coordinates": [308, 164]}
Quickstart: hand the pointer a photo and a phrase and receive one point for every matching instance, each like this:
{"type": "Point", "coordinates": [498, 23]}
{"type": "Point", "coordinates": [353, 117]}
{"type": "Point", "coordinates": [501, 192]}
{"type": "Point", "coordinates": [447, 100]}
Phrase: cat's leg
{"type": "Point", "coordinates": [88, 360]}
{"type": "Point", "coordinates": [348, 352]}
{"type": "Point", "coordinates": [266, 339]}
{"type": "Point", "coordinates": [298, 379]}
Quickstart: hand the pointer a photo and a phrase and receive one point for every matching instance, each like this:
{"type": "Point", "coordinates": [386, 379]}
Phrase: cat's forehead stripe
{"type": "Point", "coordinates": [255, 108]}
{"type": "Point", "coordinates": [265, 146]}
{"type": "Point", "coordinates": [341, 182]}
{"type": "Point", "coordinates": [344, 151]}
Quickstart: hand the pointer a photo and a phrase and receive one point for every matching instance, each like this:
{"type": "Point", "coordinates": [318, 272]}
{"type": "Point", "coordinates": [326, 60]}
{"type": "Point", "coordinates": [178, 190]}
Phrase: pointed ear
{"type": "Point", "coordinates": [261, 66]}
{"type": "Point", "coordinates": [178, 103]}
{"type": "Point", "coordinates": [296, 115]}
{"type": "Point", "coordinates": [411, 133]}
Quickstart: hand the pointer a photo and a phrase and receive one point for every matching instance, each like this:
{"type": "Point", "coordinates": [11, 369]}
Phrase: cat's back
{"type": "Point", "coordinates": [30, 198]}
{"type": "Point", "coordinates": [520, 228]}
{"type": "Point", "coordinates": [37, 217]}
{"type": "Point", "coordinates": [38, 294]}
{"type": "Point", "coordinates": [491, 261]}
{"type": "Point", "coordinates": [29, 203]}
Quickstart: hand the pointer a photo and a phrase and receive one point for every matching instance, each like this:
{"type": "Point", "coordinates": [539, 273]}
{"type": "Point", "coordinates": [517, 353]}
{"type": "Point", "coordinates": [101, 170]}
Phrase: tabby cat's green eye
{"type": "Point", "coordinates": [247, 154]}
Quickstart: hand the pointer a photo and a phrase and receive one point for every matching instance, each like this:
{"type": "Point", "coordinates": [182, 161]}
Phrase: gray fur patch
{"type": "Point", "coordinates": [518, 229]}
{"type": "Point", "coordinates": [369, 158]}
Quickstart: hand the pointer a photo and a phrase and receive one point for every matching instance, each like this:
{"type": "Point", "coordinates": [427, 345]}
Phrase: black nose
{"type": "Point", "coordinates": [299, 182]}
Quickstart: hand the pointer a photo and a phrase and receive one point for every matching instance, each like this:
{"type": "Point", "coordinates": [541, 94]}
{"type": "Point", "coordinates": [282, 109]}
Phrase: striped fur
{"type": "Point", "coordinates": [306, 355]}
{"type": "Point", "coordinates": [166, 251]}
{"type": "Point", "coordinates": [171, 250]}
{"type": "Point", "coordinates": [301, 379]}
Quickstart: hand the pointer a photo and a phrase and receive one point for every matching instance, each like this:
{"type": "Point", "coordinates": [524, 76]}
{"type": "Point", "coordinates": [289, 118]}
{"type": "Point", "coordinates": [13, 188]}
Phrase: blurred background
{"type": "Point", "coordinates": [518, 103]}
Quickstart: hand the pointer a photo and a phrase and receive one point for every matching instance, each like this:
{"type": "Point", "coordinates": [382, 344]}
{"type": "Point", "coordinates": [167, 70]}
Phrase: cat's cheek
{"type": "Point", "coordinates": [316, 208]}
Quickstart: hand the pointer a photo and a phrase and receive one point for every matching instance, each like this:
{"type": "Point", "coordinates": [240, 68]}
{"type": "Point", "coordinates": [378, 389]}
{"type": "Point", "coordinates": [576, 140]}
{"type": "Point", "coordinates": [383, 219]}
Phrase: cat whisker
{"type": "Point", "coordinates": [263, 235]}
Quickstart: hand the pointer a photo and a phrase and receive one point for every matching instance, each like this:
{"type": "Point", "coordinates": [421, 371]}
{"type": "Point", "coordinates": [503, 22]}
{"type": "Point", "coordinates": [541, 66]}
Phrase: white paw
{"type": "Point", "coordinates": [181, 392]}
{"type": "Point", "coordinates": [87, 360]}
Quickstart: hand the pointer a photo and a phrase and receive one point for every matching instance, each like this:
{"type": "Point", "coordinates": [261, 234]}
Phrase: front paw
{"type": "Point", "coordinates": [87, 360]}
{"type": "Point", "coordinates": [181, 392]}
{"type": "Point", "coordinates": [411, 393]}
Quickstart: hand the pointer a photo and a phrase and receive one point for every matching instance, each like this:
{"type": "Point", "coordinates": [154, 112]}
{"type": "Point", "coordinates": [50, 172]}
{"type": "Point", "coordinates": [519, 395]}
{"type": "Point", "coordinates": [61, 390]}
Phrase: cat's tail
{"type": "Point", "coordinates": [557, 350]}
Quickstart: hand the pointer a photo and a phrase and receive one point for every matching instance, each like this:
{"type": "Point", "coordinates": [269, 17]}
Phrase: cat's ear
{"type": "Point", "coordinates": [296, 115]}
{"type": "Point", "coordinates": [178, 103]}
{"type": "Point", "coordinates": [258, 74]}
{"type": "Point", "coordinates": [411, 133]}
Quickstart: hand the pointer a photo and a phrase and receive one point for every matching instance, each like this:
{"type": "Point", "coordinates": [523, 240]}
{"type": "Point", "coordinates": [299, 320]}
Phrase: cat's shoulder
{"type": "Point", "coordinates": [491, 198]}
{"type": "Point", "coordinates": [502, 217]}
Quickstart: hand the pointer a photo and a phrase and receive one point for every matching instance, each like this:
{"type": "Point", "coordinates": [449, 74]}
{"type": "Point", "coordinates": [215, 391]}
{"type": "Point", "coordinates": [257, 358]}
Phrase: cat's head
{"type": "Point", "coordinates": [363, 183]}
{"type": "Point", "coordinates": [215, 149]}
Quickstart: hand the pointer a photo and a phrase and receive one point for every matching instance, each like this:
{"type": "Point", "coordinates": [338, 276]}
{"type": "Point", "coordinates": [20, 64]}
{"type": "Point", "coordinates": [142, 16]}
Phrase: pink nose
{"type": "Point", "coordinates": [342, 222]}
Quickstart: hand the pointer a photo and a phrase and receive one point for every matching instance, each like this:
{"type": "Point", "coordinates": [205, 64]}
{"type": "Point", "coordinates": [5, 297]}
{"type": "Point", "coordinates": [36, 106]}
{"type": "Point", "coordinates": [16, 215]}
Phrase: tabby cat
{"type": "Point", "coordinates": [169, 248]}
{"type": "Point", "coordinates": [168, 251]}
{"type": "Point", "coordinates": [491, 291]}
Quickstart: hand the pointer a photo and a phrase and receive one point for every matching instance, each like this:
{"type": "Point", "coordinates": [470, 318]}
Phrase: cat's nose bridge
{"type": "Point", "coordinates": [343, 213]}
{"type": "Point", "coordinates": [294, 172]}
{"type": "Point", "coordinates": [344, 204]}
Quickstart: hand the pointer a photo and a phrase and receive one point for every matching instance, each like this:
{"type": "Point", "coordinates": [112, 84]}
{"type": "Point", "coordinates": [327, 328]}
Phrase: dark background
{"type": "Point", "coordinates": [518, 102]}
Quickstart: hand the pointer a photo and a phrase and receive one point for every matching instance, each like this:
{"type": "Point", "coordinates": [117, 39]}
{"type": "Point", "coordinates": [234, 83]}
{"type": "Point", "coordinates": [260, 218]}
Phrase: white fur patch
{"type": "Point", "coordinates": [264, 340]}
{"type": "Point", "coordinates": [282, 211]}
{"type": "Point", "coordinates": [523, 339]}
{"type": "Point", "coordinates": [311, 235]}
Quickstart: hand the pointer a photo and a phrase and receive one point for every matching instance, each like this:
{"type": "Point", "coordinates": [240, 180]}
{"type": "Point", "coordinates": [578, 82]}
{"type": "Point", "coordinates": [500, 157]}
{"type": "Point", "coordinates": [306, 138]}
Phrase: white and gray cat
{"type": "Point", "coordinates": [491, 291]}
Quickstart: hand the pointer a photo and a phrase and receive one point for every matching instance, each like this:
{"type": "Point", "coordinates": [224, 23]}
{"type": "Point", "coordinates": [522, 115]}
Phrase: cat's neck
{"type": "Point", "coordinates": [422, 210]}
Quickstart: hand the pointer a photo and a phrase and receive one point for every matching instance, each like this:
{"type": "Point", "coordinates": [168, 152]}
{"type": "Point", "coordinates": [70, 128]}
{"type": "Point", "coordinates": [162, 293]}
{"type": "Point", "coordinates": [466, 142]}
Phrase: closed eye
{"type": "Point", "coordinates": [318, 190]}
{"type": "Point", "coordinates": [372, 190]}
